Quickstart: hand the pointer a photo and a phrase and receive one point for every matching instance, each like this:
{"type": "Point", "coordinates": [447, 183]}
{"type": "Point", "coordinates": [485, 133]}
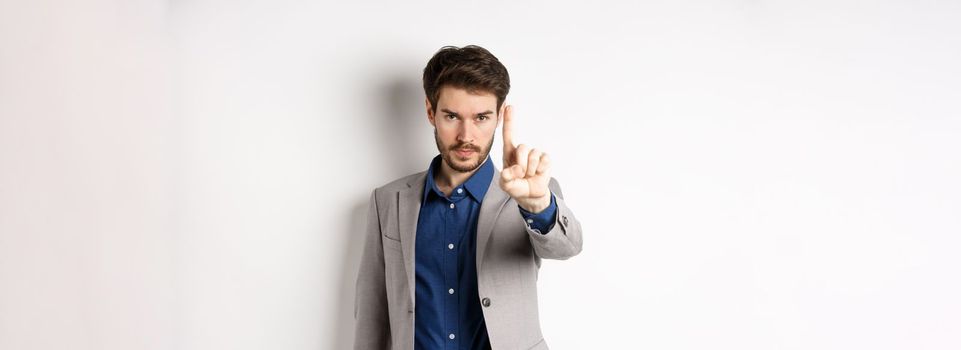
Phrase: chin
{"type": "Point", "coordinates": [463, 163]}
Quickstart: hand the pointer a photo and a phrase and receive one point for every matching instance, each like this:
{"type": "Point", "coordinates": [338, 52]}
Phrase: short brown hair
{"type": "Point", "coordinates": [471, 67]}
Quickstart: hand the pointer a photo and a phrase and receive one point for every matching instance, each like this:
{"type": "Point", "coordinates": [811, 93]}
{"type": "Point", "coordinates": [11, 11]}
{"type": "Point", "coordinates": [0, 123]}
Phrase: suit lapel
{"type": "Point", "coordinates": [491, 207]}
{"type": "Point", "coordinates": [409, 202]}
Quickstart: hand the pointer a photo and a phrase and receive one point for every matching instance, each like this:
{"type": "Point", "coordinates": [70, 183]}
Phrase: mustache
{"type": "Point", "coordinates": [465, 147]}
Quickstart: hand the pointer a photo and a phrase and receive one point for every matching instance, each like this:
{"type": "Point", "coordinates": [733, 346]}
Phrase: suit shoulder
{"type": "Point", "coordinates": [399, 183]}
{"type": "Point", "coordinates": [555, 187]}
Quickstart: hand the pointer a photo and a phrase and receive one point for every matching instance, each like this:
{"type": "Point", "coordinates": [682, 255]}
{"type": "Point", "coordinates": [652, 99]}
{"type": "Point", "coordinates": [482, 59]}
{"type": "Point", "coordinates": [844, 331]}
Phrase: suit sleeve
{"type": "Point", "coordinates": [563, 239]}
{"type": "Point", "coordinates": [372, 328]}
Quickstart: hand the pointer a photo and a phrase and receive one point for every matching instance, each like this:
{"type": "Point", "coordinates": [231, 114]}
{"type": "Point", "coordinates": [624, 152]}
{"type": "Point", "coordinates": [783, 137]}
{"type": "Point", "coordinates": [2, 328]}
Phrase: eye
{"type": "Point", "coordinates": [451, 116]}
{"type": "Point", "coordinates": [483, 117]}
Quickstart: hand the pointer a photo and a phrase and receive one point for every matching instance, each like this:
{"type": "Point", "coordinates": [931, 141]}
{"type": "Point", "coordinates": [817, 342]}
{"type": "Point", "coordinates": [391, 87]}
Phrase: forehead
{"type": "Point", "coordinates": [462, 101]}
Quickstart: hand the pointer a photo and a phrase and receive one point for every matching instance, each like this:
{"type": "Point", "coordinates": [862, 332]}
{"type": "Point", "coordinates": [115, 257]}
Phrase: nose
{"type": "Point", "coordinates": [465, 132]}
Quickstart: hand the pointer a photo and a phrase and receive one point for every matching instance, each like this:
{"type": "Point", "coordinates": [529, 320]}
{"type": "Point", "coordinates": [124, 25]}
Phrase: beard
{"type": "Point", "coordinates": [454, 162]}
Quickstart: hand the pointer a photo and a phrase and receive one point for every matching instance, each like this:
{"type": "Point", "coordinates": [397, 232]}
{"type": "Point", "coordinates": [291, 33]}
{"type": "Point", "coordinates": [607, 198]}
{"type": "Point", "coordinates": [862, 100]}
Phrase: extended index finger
{"type": "Point", "coordinates": [508, 127]}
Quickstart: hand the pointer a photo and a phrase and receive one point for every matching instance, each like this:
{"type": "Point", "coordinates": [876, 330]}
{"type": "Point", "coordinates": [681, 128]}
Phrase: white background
{"type": "Point", "coordinates": [749, 174]}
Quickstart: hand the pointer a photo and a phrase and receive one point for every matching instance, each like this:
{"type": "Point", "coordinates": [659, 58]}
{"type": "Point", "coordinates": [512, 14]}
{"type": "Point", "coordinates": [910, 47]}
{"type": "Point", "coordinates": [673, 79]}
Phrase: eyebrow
{"type": "Point", "coordinates": [445, 110]}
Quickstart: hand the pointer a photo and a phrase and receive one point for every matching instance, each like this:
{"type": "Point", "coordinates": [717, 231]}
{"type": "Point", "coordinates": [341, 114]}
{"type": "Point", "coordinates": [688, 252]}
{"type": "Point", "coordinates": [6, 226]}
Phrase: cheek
{"type": "Point", "coordinates": [488, 130]}
{"type": "Point", "coordinates": [446, 135]}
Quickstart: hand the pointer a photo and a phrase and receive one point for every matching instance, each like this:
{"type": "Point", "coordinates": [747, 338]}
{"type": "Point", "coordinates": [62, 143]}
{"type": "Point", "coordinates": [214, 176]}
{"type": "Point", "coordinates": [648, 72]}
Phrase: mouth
{"type": "Point", "coordinates": [464, 153]}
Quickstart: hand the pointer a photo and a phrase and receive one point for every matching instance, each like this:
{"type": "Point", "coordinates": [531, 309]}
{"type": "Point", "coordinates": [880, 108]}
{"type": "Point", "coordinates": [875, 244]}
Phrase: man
{"type": "Point", "coordinates": [452, 253]}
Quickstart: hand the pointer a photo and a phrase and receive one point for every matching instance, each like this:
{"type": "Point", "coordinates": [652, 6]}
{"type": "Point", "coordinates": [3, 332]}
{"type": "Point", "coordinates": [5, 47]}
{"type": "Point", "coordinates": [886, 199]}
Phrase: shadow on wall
{"type": "Point", "coordinates": [400, 129]}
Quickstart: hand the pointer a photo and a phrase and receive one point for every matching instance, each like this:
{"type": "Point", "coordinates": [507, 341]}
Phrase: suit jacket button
{"type": "Point", "coordinates": [486, 302]}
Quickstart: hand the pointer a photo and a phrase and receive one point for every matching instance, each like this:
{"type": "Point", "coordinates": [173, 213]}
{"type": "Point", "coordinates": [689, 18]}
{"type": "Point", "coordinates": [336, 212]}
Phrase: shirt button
{"type": "Point", "coordinates": [450, 246]}
{"type": "Point", "coordinates": [530, 221]}
{"type": "Point", "coordinates": [451, 336]}
{"type": "Point", "coordinates": [450, 291]}
{"type": "Point", "coordinates": [452, 205]}
{"type": "Point", "coordinates": [460, 190]}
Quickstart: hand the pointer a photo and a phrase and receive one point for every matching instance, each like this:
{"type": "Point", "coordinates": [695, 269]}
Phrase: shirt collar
{"type": "Point", "coordinates": [476, 185]}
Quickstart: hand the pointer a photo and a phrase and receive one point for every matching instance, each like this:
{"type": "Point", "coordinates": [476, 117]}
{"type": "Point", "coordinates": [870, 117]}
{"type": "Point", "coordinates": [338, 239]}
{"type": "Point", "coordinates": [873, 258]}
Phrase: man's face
{"type": "Point", "coordinates": [464, 126]}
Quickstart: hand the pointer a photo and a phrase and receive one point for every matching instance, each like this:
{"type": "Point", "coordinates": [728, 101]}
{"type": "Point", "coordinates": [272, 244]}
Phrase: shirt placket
{"type": "Point", "coordinates": [452, 234]}
{"type": "Point", "coordinates": [450, 272]}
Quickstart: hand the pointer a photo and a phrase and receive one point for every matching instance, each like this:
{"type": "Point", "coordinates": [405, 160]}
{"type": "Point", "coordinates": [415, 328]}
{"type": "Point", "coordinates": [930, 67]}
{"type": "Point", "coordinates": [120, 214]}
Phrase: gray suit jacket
{"type": "Point", "coordinates": [509, 255]}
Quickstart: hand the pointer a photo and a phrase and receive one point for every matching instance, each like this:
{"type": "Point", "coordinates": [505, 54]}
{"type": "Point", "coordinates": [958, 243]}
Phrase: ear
{"type": "Point", "coordinates": [430, 111]}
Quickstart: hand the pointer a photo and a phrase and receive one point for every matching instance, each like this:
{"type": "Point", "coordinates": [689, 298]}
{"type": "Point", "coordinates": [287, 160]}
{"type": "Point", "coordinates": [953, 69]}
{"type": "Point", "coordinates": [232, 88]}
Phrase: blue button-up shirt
{"type": "Point", "coordinates": [447, 305]}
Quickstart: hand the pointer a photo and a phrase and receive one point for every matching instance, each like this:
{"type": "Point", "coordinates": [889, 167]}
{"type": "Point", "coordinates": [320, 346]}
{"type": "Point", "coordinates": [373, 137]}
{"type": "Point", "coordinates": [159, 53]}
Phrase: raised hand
{"type": "Point", "coordinates": [526, 172]}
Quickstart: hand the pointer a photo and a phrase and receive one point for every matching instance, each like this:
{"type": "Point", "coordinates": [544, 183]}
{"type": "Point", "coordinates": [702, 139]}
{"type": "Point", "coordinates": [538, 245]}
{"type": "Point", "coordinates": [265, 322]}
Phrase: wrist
{"type": "Point", "coordinates": [537, 205]}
